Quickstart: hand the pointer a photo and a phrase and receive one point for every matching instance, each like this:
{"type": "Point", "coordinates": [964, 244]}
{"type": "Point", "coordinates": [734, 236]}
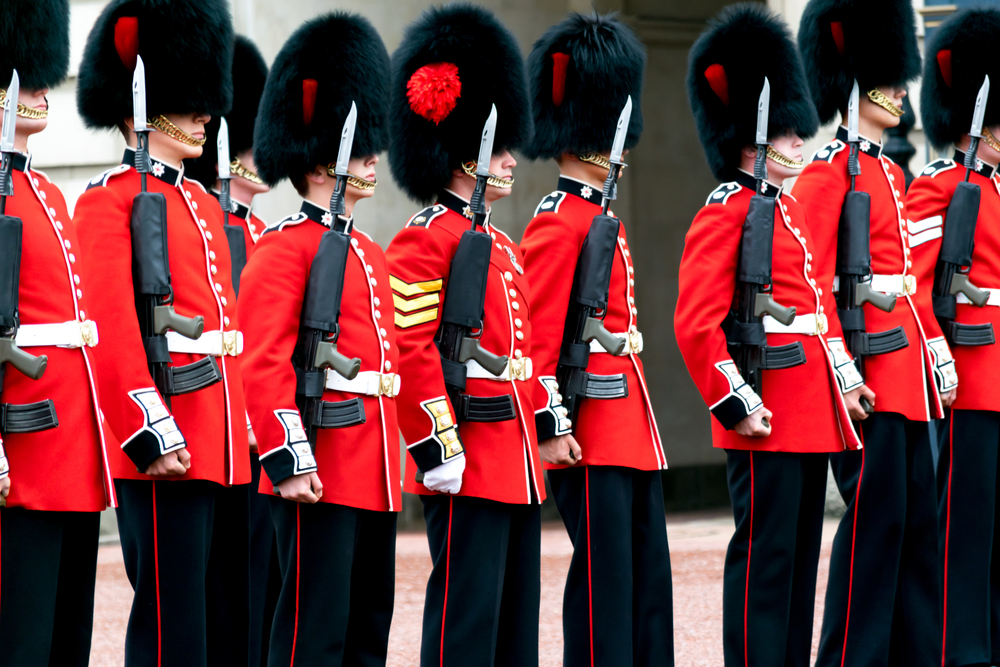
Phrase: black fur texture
{"type": "Point", "coordinates": [880, 49]}
{"type": "Point", "coordinates": [972, 36]}
{"type": "Point", "coordinates": [249, 76]}
{"type": "Point", "coordinates": [423, 155]}
{"type": "Point", "coordinates": [34, 40]}
{"type": "Point", "coordinates": [605, 67]}
{"type": "Point", "coordinates": [750, 43]}
{"type": "Point", "coordinates": [347, 58]}
{"type": "Point", "coordinates": [186, 47]}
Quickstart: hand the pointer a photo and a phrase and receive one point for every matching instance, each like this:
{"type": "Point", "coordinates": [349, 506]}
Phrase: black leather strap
{"type": "Point", "coordinates": [28, 418]}
{"type": "Point", "coordinates": [485, 408]}
{"type": "Point", "coordinates": [192, 377]}
{"type": "Point", "coordinates": [970, 335]}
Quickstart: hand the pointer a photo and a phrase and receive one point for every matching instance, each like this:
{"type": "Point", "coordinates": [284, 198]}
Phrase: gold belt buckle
{"type": "Point", "coordinates": [88, 332]}
{"type": "Point", "coordinates": [822, 324]}
{"type": "Point", "coordinates": [909, 284]}
{"type": "Point", "coordinates": [386, 381]}
{"type": "Point", "coordinates": [634, 341]}
{"type": "Point", "coordinates": [230, 343]}
{"type": "Point", "coordinates": [517, 369]}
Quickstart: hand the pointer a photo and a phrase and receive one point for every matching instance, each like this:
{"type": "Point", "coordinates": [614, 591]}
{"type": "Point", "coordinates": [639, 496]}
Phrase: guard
{"type": "Point", "coordinates": [604, 464]}
{"type": "Point", "coordinates": [322, 364]}
{"type": "Point", "coordinates": [464, 330]}
{"type": "Point", "coordinates": [953, 206]}
{"type": "Point", "coordinates": [170, 375]}
{"type": "Point", "coordinates": [883, 598]}
{"type": "Point", "coordinates": [776, 375]}
{"type": "Point", "coordinates": [54, 472]}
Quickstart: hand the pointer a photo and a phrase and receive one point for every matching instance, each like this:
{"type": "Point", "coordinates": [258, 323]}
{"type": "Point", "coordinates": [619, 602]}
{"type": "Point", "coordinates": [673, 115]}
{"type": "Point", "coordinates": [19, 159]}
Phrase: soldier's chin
{"type": "Point", "coordinates": [497, 193]}
{"type": "Point", "coordinates": [31, 125]}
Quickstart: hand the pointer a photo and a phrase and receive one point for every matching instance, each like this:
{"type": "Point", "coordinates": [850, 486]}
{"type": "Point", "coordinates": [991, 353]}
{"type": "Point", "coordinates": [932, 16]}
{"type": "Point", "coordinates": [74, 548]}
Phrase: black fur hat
{"type": "Point", "coordinates": [726, 70]}
{"type": "Point", "coordinates": [249, 76]}
{"type": "Point", "coordinates": [186, 48]}
{"type": "Point", "coordinates": [581, 72]}
{"type": "Point", "coordinates": [329, 62]}
{"type": "Point", "coordinates": [873, 41]}
{"type": "Point", "coordinates": [962, 52]}
{"type": "Point", "coordinates": [34, 40]}
{"type": "Point", "coordinates": [453, 63]}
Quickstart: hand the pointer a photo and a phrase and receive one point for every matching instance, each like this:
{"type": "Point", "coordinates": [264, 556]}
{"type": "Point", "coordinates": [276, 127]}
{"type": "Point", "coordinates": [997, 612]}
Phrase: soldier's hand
{"type": "Point", "coordinates": [949, 398]}
{"type": "Point", "coordinates": [301, 488]}
{"type": "Point", "coordinates": [561, 450]}
{"type": "Point", "coordinates": [756, 425]}
{"type": "Point", "coordinates": [171, 463]}
{"type": "Point", "coordinates": [4, 489]}
{"type": "Point", "coordinates": [447, 477]}
{"type": "Point", "coordinates": [853, 401]}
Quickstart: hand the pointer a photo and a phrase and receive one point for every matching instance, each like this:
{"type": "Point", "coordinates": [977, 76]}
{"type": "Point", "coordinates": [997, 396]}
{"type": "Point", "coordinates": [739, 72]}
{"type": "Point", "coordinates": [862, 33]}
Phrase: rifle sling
{"type": "Point", "coordinates": [28, 418]}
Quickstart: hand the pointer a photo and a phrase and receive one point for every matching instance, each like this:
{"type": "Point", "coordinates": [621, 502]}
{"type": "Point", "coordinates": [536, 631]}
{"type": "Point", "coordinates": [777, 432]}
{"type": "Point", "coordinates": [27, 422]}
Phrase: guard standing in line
{"type": "Point", "coordinates": [169, 376]}
{"type": "Point", "coordinates": [54, 472]}
{"type": "Point", "coordinates": [582, 73]}
{"type": "Point", "coordinates": [950, 207]}
{"type": "Point", "coordinates": [249, 76]}
{"type": "Point", "coordinates": [464, 331]}
{"type": "Point", "coordinates": [883, 598]}
{"type": "Point", "coordinates": [321, 368]}
{"type": "Point", "coordinates": [780, 385]}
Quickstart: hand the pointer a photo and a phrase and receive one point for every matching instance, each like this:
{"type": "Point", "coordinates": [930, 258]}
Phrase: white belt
{"type": "Point", "coordinates": [516, 369]}
{"type": "Point", "coordinates": [809, 325]}
{"type": "Point", "coordinates": [212, 343]}
{"type": "Point", "coordinates": [63, 334]}
{"type": "Point", "coordinates": [633, 344]}
{"type": "Point", "coordinates": [367, 383]}
{"type": "Point", "coordinates": [993, 301]}
{"type": "Point", "coordinates": [900, 285]}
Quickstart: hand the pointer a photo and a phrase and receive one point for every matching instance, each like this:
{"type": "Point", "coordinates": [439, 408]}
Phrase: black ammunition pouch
{"type": "Point", "coordinates": [485, 408]}
{"type": "Point", "coordinates": [28, 418]}
{"type": "Point", "coordinates": [772, 358]}
{"type": "Point", "coordinates": [177, 380]}
{"type": "Point", "coordinates": [969, 335]}
{"type": "Point", "coordinates": [338, 414]}
{"type": "Point", "coordinates": [883, 342]}
{"type": "Point", "coordinates": [591, 385]}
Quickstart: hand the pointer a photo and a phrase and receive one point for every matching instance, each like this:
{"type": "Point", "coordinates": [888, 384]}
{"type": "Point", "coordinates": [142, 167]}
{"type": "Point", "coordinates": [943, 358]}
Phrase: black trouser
{"type": "Point", "coordinates": [618, 603]}
{"type": "Point", "coordinates": [228, 580]}
{"type": "Point", "coordinates": [338, 582]}
{"type": "Point", "coordinates": [48, 566]}
{"type": "Point", "coordinates": [769, 586]}
{"type": "Point", "coordinates": [265, 575]}
{"type": "Point", "coordinates": [967, 483]}
{"type": "Point", "coordinates": [481, 608]}
{"type": "Point", "coordinates": [883, 600]}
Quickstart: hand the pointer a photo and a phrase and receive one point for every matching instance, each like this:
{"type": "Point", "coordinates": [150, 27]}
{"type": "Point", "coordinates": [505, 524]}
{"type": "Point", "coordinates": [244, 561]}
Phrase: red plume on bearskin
{"type": "Point", "coordinates": [127, 40]}
{"type": "Point", "coordinates": [837, 30]}
{"type": "Point", "coordinates": [944, 63]}
{"type": "Point", "coordinates": [715, 74]}
{"type": "Point", "coordinates": [433, 91]}
{"type": "Point", "coordinates": [309, 89]}
{"type": "Point", "coordinates": [560, 61]}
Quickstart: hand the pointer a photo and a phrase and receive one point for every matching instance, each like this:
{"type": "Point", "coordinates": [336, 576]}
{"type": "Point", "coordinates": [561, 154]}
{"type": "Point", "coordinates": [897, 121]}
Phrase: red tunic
{"type": "Point", "coordinates": [502, 460]}
{"type": "Point", "coordinates": [551, 246]}
{"type": "Point", "coordinates": [810, 415]}
{"type": "Point", "coordinates": [927, 206]}
{"type": "Point", "coordinates": [212, 420]}
{"type": "Point", "coordinates": [358, 465]}
{"type": "Point", "coordinates": [64, 468]}
{"type": "Point", "coordinates": [821, 189]}
{"type": "Point", "coordinates": [243, 216]}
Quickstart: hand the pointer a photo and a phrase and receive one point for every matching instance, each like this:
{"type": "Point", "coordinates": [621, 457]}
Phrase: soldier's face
{"type": "Point", "coordinates": [878, 115]}
{"type": "Point", "coordinates": [33, 99]}
{"type": "Point", "coordinates": [246, 159]}
{"type": "Point", "coordinates": [173, 150]}
{"type": "Point", "coordinates": [987, 152]}
{"type": "Point", "coordinates": [790, 146]}
{"type": "Point", "coordinates": [501, 165]}
{"type": "Point", "coordinates": [363, 168]}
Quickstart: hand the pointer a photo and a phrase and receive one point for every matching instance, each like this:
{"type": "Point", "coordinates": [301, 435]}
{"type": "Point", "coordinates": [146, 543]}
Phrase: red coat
{"type": "Point", "coordinates": [821, 189]}
{"type": "Point", "coordinates": [64, 468]}
{"type": "Point", "coordinates": [212, 420]}
{"type": "Point", "coordinates": [359, 465]}
{"type": "Point", "coordinates": [243, 216]}
{"type": "Point", "coordinates": [551, 246]}
{"type": "Point", "coordinates": [502, 460]}
{"type": "Point", "coordinates": [927, 206]}
{"type": "Point", "coordinates": [810, 415]}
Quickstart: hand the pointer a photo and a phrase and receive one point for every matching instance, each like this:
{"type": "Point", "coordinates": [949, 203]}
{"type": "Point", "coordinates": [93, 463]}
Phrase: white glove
{"type": "Point", "coordinates": [447, 477]}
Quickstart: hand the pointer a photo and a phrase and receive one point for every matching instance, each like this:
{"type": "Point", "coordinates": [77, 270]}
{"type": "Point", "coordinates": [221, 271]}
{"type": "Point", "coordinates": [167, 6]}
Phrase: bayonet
{"type": "Point", "coordinates": [763, 109]}
{"type": "Point", "coordinates": [343, 159]}
{"type": "Point", "coordinates": [610, 190]}
{"type": "Point", "coordinates": [478, 202]}
{"type": "Point", "coordinates": [223, 150]}
{"type": "Point", "coordinates": [976, 131]}
{"type": "Point", "coordinates": [139, 96]}
{"type": "Point", "coordinates": [7, 141]}
{"type": "Point", "coordinates": [853, 139]}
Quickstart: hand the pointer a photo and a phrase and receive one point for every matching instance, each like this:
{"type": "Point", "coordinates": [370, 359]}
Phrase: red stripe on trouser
{"type": "Point", "coordinates": [854, 533]}
{"type": "Point", "coordinates": [746, 592]}
{"type": "Point", "coordinates": [156, 574]}
{"type": "Point", "coordinates": [298, 571]}
{"type": "Point", "coordinates": [590, 581]}
{"type": "Point", "coordinates": [947, 533]}
{"type": "Point", "coordinates": [447, 573]}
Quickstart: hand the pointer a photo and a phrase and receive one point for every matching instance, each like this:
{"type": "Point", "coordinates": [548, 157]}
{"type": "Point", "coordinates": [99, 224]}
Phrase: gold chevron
{"type": "Point", "coordinates": [410, 289]}
{"type": "Point", "coordinates": [405, 306]}
{"type": "Point", "coordinates": [407, 321]}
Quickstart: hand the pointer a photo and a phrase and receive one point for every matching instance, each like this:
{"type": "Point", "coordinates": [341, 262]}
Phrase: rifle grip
{"type": "Point", "coordinates": [471, 349]}
{"type": "Point", "coordinates": [960, 284]}
{"type": "Point", "coordinates": [327, 356]}
{"type": "Point", "coordinates": [28, 364]}
{"type": "Point", "coordinates": [865, 294]}
{"type": "Point", "coordinates": [165, 318]}
{"type": "Point", "coordinates": [594, 329]}
{"type": "Point", "coordinates": [765, 304]}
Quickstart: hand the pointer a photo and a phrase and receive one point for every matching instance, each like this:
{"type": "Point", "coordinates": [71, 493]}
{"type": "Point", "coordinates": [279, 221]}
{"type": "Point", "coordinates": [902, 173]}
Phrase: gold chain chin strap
{"type": "Point", "coordinates": [162, 124]}
{"type": "Point", "coordinates": [876, 96]}
{"type": "Point", "coordinates": [23, 111]}
{"type": "Point", "coordinates": [237, 168]}
{"type": "Point", "coordinates": [990, 140]}
{"type": "Point", "coordinates": [784, 160]}
{"type": "Point", "coordinates": [595, 158]}
{"type": "Point", "coordinates": [352, 179]}
{"type": "Point", "coordinates": [469, 168]}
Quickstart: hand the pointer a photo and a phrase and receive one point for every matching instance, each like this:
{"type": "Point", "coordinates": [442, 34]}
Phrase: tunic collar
{"type": "Point", "coordinates": [768, 189]}
{"type": "Point", "coordinates": [459, 205]}
{"type": "Point", "coordinates": [159, 169]}
{"type": "Point", "coordinates": [984, 169]}
{"type": "Point", "coordinates": [867, 146]}
{"type": "Point", "coordinates": [240, 209]}
{"type": "Point", "coordinates": [322, 215]}
{"type": "Point", "coordinates": [578, 188]}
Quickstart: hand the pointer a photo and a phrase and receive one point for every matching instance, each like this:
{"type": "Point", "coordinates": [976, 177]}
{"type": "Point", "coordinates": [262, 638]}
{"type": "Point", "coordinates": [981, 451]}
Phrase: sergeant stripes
{"type": "Point", "coordinates": [413, 300]}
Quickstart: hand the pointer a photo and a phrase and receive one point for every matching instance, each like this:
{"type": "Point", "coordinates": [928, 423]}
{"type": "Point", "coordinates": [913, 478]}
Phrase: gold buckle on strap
{"type": "Point", "coordinates": [230, 343]}
{"type": "Point", "coordinates": [909, 284]}
{"type": "Point", "coordinates": [386, 385]}
{"type": "Point", "coordinates": [88, 331]}
{"type": "Point", "coordinates": [822, 324]}
{"type": "Point", "coordinates": [518, 369]}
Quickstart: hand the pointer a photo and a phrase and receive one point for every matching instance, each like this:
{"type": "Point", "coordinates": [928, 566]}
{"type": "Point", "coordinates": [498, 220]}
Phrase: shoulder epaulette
{"type": "Point", "coordinates": [290, 221]}
{"type": "Point", "coordinates": [425, 217]}
{"type": "Point", "coordinates": [102, 179]}
{"type": "Point", "coordinates": [938, 167]}
{"type": "Point", "coordinates": [721, 194]}
{"type": "Point", "coordinates": [551, 203]}
{"type": "Point", "coordinates": [828, 152]}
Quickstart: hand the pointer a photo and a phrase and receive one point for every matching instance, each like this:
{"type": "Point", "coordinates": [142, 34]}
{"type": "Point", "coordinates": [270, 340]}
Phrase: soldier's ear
{"type": "Point", "coordinates": [317, 175]}
{"type": "Point", "coordinates": [749, 151]}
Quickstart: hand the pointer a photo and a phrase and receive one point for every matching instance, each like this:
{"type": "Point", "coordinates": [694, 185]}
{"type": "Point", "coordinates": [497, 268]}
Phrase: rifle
{"type": "Point", "coordinates": [753, 277]}
{"type": "Point", "coordinates": [234, 233]}
{"type": "Point", "coordinates": [589, 297]}
{"type": "Point", "coordinates": [951, 274]}
{"type": "Point", "coordinates": [154, 295]}
{"type": "Point", "coordinates": [319, 329]}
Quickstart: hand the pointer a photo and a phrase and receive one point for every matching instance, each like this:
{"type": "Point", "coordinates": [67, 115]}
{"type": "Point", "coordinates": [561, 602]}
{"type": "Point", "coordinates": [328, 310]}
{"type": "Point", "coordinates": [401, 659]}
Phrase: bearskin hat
{"type": "Point", "coordinates": [873, 41]}
{"type": "Point", "coordinates": [187, 50]}
{"type": "Point", "coordinates": [329, 62]}
{"type": "Point", "coordinates": [960, 55]}
{"type": "Point", "coordinates": [580, 73]}
{"type": "Point", "coordinates": [34, 40]}
{"type": "Point", "coordinates": [249, 76]}
{"type": "Point", "coordinates": [726, 69]}
{"type": "Point", "coordinates": [454, 62]}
